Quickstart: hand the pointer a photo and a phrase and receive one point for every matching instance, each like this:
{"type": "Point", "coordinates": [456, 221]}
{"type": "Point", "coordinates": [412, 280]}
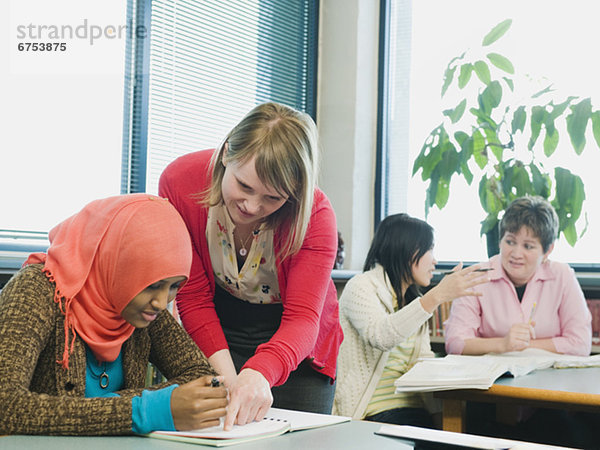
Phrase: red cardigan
{"type": "Point", "coordinates": [310, 326]}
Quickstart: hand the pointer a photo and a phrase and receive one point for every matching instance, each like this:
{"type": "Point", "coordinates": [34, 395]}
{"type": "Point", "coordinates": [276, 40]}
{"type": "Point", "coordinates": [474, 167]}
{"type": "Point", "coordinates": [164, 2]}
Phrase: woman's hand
{"type": "Point", "coordinates": [458, 283]}
{"type": "Point", "coordinates": [519, 337]}
{"type": "Point", "coordinates": [198, 404]}
{"type": "Point", "coordinates": [250, 398]}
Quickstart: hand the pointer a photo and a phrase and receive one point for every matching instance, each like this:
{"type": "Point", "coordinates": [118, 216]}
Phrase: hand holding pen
{"type": "Point", "coordinates": [520, 334]}
{"type": "Point", "coordinates": [530, 321]}
{"type": "Point", "coordinates": [460, 282]}
{"type": "Point", "coordinates": [199, 404]}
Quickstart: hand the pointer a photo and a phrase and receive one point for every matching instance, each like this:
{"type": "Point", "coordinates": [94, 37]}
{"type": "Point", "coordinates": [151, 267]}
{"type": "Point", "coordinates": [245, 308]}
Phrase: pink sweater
{"type": "Point", "coordinates": [561, 311]}
{"type": "Point", "coordinates": [310, 326]}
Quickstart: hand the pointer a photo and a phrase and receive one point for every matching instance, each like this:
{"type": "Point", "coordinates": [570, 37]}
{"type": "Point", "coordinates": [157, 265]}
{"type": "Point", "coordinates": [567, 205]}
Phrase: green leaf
{"type": "Point", "coordinates": [431, 193]}
{"type": "Point", "coordinates": [596, 126]}
{"type": "Point", "coordinates": [478, 145]}
{"type": "Point", "coordinates": [570, 192]}
{"type": "Point", "coordinates": [501, 62]}
{"type": "Point", "coordinates": [558, 110]}
{"type": "Point", "coordinates": [466, 173]}
{"type": "Point", "coordinates": [443, 192]}
{"type": "Point", "coordinates": [568, 202]}
{"type": "Point", "coordinates": [543, 91]}
{"type": "Point", "coordinates": [490, 195]}
{"type": "Point", "coordinates": [577, 123]}
{"type": "Point", "coordinates": [493, 143]}
{"type": "Point", "coordinates": [465, 75]}
{"type": "Point", "coordinates": [538, 117]}
{"type": "Point", "coordinates": [448, 77]}
{"type": "Point", "coordinates": [444, 171]}
{"type": "Point", "coordinates": [509, 83]}
{"type": "Point", "coordinates": [521, 184]}
{"type": "Point", "coordinates": [489, 223]}
{"type": "Point", "coordinates": [466, 146]}
{"type": "Point", "coordinates": [460, 137]}
{"type": "Point", "coordinates": [456, 113]}
{"type": "Point", "coordinates": [540, 181]}
{"type": "Point", "coordinates": [491, 97]}
{"type": "Point", "coordinates": [518, 121]}
{"type": "Point", "coordinates": [550, 141]}
{"type": "Point", "coordinates": [497, 32]}
{"type": "Point", "coordinates": [483, 71]}
{"type": "Point", "coordinates": [449, 163]}
{"type": "Point", "coordinates": [570, 234]}
{"type": "Point", "coordinates": [430, 153]}
{"type": "Point", "coordinates": [482, 117]}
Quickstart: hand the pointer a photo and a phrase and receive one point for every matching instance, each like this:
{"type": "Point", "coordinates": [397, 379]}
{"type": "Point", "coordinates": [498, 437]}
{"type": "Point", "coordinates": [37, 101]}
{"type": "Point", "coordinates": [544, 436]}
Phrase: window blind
{"type": "Point", "coordinates": [205, 65]}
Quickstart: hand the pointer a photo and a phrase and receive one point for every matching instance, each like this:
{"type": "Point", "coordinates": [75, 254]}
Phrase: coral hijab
{"type": "Point", "coordinates": [105, 255]}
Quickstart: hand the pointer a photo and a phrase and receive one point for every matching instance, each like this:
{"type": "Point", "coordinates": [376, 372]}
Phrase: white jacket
{"type": "Point", "coordinates": [371, 330]}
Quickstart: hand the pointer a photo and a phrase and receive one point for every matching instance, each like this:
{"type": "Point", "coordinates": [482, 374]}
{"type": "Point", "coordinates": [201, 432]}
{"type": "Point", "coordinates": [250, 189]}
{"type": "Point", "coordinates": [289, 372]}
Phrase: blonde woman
{"type": "Point", "coordinates": [260, 302]}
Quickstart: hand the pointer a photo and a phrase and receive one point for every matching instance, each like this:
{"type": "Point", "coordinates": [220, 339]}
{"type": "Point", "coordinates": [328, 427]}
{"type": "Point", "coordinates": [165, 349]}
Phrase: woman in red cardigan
{"type": "Point", "coordinates": [260, 302]}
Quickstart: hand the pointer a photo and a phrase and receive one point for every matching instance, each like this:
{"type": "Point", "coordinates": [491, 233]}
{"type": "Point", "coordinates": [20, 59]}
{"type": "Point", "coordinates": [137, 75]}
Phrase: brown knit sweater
{"type": "Point", "coordinates": [38, 396]}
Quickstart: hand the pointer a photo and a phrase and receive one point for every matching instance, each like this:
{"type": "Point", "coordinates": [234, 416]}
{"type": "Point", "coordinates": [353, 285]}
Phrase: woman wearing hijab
{"type": "Point", "coordinates": [79, 324]}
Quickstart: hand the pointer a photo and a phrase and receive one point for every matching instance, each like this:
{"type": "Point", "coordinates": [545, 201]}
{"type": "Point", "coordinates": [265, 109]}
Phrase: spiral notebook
{"type": "Point", "coordinates": [277, 422]}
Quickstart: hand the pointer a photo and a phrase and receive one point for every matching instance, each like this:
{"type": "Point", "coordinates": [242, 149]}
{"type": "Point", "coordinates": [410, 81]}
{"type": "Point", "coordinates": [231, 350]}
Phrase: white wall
{"type": "Point", "coordinates": [69, 100]}
{"type": "Point", "coordinates": [346, 117]}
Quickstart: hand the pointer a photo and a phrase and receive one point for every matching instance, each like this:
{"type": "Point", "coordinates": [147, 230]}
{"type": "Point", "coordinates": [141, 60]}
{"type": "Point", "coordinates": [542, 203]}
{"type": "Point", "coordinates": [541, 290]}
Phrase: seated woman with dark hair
{"type": "Point", "coordinates": [384, 318]}
{"type": "Point", "coordinates": [79, 325]}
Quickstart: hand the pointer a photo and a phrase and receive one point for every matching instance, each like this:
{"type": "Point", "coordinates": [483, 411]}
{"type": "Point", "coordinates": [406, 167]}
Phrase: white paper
{"type": "Point", "coordinates": [461, 439]}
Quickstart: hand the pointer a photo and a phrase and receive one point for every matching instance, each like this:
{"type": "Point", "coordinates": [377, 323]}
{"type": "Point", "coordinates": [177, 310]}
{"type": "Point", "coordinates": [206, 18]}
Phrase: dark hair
{"type": "Point", "coordinates": [534, 212]}
{"type": "Point", "coordinates": [399, 242]}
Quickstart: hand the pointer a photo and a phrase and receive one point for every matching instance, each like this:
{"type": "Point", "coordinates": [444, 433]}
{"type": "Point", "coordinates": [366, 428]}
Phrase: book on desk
{"type": "Point", "coordinates": [276, 422]}
{"type": "Point", "coordinates": [480, 372]}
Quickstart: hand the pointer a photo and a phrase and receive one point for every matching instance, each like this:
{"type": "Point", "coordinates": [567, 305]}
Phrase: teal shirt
{"type": "Point", "coordinates": [149, 412]}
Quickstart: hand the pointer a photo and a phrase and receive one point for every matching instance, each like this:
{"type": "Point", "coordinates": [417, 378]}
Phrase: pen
{"type": "Point", "coordinates": [532, 311]}
{"type": "Point", "coordinates": [531, 318]}
{"type": "Point", "coordinates": [215, 382]}
{"type": "Point", "coordinates": [483, 269]}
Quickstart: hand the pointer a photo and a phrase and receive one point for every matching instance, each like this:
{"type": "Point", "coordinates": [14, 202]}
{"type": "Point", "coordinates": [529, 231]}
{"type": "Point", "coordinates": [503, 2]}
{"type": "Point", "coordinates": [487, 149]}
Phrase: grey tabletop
{"type": "Point", "coordinates": [344, 436]}
{"type": "Point", "coordinates": [583, 381]}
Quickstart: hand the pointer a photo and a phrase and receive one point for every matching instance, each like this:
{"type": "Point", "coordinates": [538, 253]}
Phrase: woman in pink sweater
{"type": "Point", "coordinates": [260, 302]}
{"type": "Point", "coordinates": [530, 300]}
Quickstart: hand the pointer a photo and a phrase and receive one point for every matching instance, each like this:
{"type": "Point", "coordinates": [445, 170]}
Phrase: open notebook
{"type": "Point", "coordinates": [480, 372]}
{"type": "Point", "coordinates": [276, 422]}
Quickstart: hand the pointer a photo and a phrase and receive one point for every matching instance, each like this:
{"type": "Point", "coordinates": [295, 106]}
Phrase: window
{"type": "Point", "coordinates": [140, 83]}
{"type": "Point", "coordinates": [552, 40]}
{"type": "Point", "coordinates": [62, 110]}
{"type": "Point", "coordinates": [207, 64]}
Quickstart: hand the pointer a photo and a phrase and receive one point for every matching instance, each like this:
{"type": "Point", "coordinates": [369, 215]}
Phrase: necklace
{"type": "Point", "coordinates": [242, 251]}
{"type": "Point", "coordinates": [102, 377]}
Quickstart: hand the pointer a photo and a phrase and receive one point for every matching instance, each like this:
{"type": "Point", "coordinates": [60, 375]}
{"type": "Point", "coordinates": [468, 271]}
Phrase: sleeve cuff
{"type": "Point", "coordinates": [151, 411]}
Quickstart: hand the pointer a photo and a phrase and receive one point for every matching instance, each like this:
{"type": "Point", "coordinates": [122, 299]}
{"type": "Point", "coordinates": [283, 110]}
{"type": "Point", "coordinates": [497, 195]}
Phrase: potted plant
{"type": "Point", "coordinates": [505, 137]}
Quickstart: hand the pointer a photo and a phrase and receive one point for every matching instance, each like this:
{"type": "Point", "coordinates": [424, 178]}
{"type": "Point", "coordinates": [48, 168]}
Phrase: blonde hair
{"type": "Point", "coordinates": [284, 142]}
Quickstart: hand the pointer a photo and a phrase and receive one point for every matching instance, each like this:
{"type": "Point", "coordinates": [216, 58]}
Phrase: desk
{"type": "Point", "coordinates": [356, 434]}
{"type": "Point", "coordinates": [577, 389]}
